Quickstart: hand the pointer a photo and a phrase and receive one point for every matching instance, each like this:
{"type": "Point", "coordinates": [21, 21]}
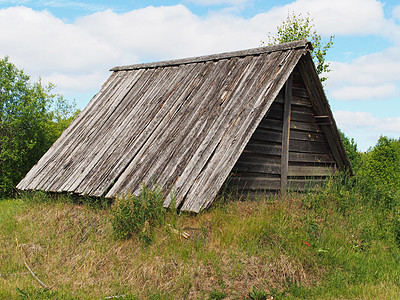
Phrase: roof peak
{"type": "Point", "coordinates": [213, 57]}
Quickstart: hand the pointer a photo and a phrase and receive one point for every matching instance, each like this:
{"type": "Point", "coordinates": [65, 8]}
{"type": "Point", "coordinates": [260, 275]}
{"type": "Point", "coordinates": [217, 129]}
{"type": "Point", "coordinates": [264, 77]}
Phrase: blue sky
{"type": "Point", "coordinates": [73, 44]}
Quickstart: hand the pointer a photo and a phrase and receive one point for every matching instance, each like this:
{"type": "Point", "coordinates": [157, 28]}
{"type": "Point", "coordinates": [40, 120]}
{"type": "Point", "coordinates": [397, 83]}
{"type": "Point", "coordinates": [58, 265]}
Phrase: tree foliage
{"type": "Point", "coordinates": [352, 152]}
{"type": "Point", "coordinates": [380, 173]}
{"type": "Point", "coordinates": [31, 119]}
{"type": "Point", "coordinates": [297, 27]}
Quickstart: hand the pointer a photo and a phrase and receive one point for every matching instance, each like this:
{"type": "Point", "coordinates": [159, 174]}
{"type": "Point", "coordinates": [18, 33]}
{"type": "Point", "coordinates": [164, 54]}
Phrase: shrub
{"type": "Point", "coordinates": [138, 215]}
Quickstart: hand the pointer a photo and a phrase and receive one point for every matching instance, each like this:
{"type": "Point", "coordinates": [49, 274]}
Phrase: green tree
{"type": "Point", "coordinates": [297, 27]}
{"type": "Point", "coordinates": [380, 173]}
{"type": "Point", "coordinates": [353, 154]}
{"type": "Point", "coordinates": [31, 119]}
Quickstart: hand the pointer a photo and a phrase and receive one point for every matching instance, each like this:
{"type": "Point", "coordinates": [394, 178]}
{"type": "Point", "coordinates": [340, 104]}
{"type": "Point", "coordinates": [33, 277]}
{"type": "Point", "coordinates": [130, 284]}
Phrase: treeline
{"type": "Point", "coordinates": [31, 119]}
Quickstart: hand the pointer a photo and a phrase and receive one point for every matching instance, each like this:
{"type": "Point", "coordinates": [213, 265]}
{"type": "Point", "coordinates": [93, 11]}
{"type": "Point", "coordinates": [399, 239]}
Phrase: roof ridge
{"type": "Point", "coordinates": [213, 57]}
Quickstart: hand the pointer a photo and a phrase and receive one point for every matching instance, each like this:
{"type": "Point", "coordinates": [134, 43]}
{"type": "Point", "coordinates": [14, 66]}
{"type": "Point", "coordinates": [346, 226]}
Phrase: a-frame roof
{"type": "Point", "coordinates": [180, 125]}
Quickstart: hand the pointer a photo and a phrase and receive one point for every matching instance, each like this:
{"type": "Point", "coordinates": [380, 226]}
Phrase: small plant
{"type": "Point", "coordinates": [216, 295]}
{"type": "Point", "coordinates": [137, 215]}
{"type": "Point", "coordinates": [258, 294]}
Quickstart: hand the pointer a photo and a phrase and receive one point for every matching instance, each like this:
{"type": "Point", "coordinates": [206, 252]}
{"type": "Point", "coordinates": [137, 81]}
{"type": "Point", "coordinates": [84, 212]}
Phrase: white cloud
{"type": "Point", "coordinates": [39, 41]}
{"type": "Point", "coordinates": [349, 120]}
{"type": "Point", "coordinates": [366, 128]}
{"type": "Point", "coordinates": [341, 17]}
{"type": "Point", "coordinates": [373, 76]}
{"type": "Point", "coordinates": [376, 92]}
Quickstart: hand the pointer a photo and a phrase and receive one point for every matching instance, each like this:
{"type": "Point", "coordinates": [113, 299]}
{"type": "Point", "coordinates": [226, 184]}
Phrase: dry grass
{"type": "Point", "coordinates": [71, 248]}
{"type": "Point", "coordinates": [231, 249]}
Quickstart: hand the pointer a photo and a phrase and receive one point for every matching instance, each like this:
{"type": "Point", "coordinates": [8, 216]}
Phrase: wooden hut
{"type": "Point", "coordinates": [258, 118]}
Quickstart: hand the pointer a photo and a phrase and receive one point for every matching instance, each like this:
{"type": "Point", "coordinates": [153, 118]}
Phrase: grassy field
{"type": "Point", "coordinates": [325, 245]}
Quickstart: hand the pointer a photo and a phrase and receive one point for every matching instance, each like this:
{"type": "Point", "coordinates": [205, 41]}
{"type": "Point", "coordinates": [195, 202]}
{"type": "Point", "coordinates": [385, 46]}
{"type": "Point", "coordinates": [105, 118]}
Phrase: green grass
{"type": "Point", "coordinates": [325, 245]}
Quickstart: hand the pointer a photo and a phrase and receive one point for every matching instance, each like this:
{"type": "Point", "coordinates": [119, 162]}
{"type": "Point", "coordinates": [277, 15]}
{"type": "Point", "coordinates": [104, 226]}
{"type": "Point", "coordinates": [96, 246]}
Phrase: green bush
{"type": "Point", "coordinates": [31, 119]}
{"type": "Point", "coordinates": [138, 215]}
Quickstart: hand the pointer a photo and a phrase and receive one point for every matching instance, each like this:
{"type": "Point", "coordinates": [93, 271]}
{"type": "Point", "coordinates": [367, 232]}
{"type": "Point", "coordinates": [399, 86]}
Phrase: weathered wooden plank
{"type": "Point", "coordinates": [310, 127]}
{"type": "Point", "coordinates": [211, 141]}
{"type": "Point", "coordinates": [254, 183]}
{"type": "Point", "coordinates": [264, 148]}
{"type": "Point", "coordinates": [300, 92]}
{"type": "Point", "coordinates": [323, 120]}
{"type": "Point", "coordinates": [296, 115]}
{"type": "Point", "coordinates": [295, 171]}
{"type": "Point", "coordinates": [295, 146]}
{"type": "Point", "coordinates": [87, 155]}
{"type": "Point", "coordinates": [276, 125]}
{"type": "Point", "coordinates": [286, 133]}
{"type": "Point", "coordinates": [296, 101]}
{"type": "Point", "coordinates": [274, 136]}
{"type": "Point", "coordinates": [310, 157]}
{"type": "Point", "coordinates": [266, 136]}
{"type": "Point", "coordinates": [257, 158]}
{"type": "Point", "coordinates": [247, 184]}
{"type": "Point", "coordinates": [121, 185]}
{"type": "Point", "coordinates": [115, 147]}
{"type": "Point", "coordinates": [172, 102]}
{"type": "Point", "coordinates": [311, 147]}
{"type": "Point", "coordinates": [37, 172]}
{"type": "Point", "coordinates": [258, 167]}
{"type": "Point", "coordinates": [63, 158]}
{"type": "Point", "coordinates": [231, 147]}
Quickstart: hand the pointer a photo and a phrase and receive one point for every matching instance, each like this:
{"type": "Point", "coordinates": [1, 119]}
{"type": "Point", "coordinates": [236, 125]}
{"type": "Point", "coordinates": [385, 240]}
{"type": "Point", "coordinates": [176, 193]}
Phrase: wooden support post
{"type": "Point", "coordinates": [286, 134]}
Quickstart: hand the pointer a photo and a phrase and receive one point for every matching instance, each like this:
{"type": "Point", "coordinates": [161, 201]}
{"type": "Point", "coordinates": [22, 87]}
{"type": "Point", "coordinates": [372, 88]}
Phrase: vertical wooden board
{"type": "Point", "coordinates": [286, 134]}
